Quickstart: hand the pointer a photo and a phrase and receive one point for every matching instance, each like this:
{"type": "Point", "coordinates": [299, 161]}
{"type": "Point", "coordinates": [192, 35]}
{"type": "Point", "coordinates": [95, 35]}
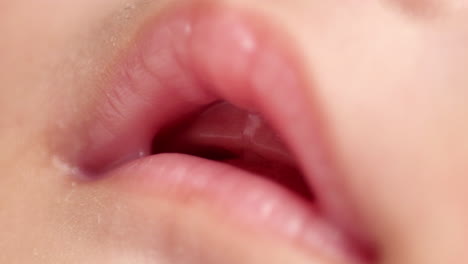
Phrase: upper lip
{"type": "Point", "coordinates": [259, 72]}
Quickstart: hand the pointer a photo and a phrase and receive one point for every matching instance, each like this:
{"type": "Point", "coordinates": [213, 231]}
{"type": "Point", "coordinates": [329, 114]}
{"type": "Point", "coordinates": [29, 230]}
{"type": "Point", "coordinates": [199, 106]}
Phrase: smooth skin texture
{"type": "Point", "coordinates": [389, 77]}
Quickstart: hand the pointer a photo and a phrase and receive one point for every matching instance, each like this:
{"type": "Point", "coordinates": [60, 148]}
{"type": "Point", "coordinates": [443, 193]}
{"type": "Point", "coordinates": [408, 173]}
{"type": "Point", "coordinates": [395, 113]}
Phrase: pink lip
{"type": "Point", "coordinates": [187, 59]}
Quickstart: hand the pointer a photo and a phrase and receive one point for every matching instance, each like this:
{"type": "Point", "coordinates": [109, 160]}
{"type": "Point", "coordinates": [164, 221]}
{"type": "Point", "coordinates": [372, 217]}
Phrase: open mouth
{"type": "Point", "coordinates": [224, 133]}
{"type": "Point", "coordinates": [209, 104]}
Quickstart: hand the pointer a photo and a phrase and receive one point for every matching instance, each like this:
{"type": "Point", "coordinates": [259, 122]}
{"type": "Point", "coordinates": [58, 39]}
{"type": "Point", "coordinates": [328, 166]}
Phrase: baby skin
{"type": "Point", "coordinates": [234, 131]}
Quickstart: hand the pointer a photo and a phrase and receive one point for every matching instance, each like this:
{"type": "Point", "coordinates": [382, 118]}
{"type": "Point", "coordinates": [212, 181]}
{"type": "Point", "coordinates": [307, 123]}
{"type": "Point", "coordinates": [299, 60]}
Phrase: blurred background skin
{"type": "Point", "coordinates": [392, 84]}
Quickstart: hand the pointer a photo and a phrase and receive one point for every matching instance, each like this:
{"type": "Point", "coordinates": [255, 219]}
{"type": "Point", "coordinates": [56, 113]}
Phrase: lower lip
{"type": "Point", "coordinates": [248, 198]}
{"type": "Point", "coordinates": [237, 196]}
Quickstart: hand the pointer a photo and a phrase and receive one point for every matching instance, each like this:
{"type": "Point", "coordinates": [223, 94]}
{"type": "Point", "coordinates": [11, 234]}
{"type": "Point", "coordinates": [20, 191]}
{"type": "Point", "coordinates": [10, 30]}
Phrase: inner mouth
{"type": "Point", "coordinates": [225, 133]}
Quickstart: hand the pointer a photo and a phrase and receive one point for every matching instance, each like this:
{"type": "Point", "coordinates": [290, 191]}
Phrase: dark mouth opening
{"type": "Point", "coordinates": [217, 133]}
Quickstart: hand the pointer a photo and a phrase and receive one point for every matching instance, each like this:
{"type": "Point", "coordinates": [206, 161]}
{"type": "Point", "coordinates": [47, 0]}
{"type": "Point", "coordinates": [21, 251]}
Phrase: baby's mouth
{"type": "Point", "coordinates": [188, 114]}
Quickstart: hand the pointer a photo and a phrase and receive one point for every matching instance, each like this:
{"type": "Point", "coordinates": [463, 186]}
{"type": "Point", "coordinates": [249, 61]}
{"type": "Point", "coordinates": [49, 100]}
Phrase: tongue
{"type": "Point", "coordinates": [235, 133]}
{"type": "Point", "coordinates": [226, 133]}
